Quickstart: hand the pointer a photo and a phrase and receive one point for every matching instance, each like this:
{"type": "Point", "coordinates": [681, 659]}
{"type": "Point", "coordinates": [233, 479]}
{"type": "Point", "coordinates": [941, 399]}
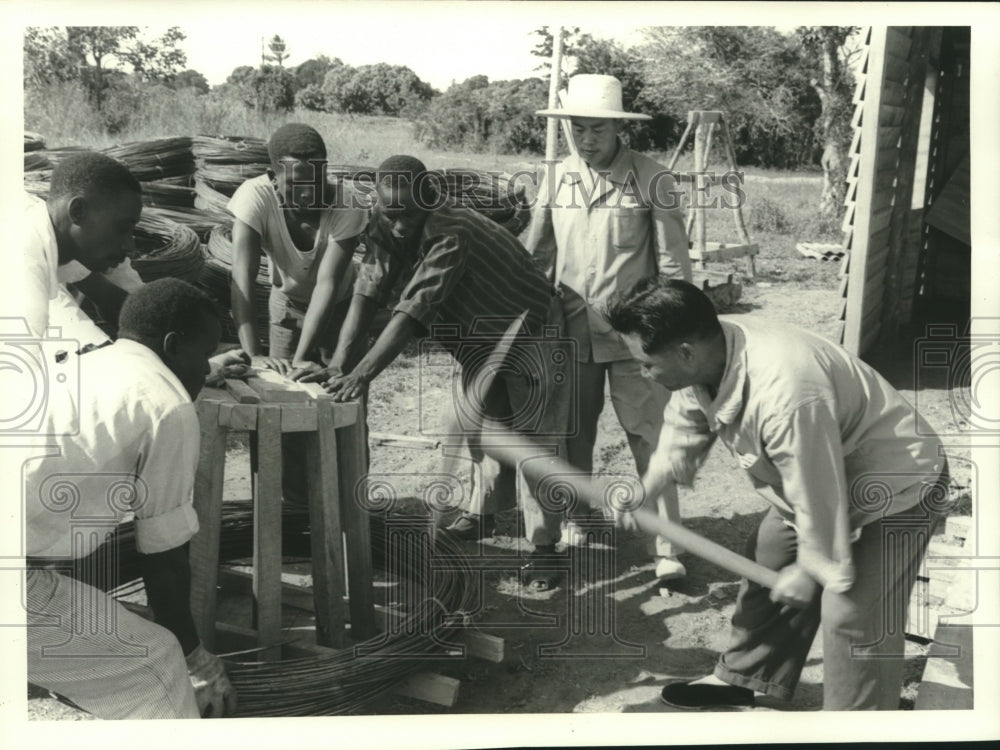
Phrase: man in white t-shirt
{"type": "Point", "coordinates": [93, 206]}
{"type": "Point", "coordinates": [308, 229]}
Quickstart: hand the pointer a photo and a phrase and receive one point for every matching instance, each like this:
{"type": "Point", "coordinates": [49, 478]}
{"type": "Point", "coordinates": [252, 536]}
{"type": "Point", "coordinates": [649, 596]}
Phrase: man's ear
{"type": "Point", "coordinates": [77, 209]}
{"type": "Point", "coordinates": [171, 342]}
{"type": "Point", "coordinates": [686, 351]}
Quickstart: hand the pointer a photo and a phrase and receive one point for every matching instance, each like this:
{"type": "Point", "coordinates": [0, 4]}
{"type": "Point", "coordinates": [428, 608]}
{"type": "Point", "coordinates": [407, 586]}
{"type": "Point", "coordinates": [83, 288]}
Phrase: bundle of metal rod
{"type": "Point", "coordinates": [165, 248]}
{"type": "Point", "coordinates": [157, 159]}
{"type": "Point", "coordinates": [343, 681]}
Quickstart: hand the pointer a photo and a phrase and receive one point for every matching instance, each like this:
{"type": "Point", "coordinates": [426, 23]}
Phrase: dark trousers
{"type": "Point", "coordinates": [862, 628]}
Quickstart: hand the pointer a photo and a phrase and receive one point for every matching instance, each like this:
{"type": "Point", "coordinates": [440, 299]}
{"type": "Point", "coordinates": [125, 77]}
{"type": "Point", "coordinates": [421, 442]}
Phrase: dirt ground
{"type": "Point", "coordinates": [609, 638]}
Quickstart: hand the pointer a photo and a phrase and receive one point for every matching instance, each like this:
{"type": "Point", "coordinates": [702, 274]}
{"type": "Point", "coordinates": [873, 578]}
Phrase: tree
{"type": "Point", "coordinates": [543, 48]}
{"type": "Point", "coordinates": [274, 89]}
{"type": "Point", "coordinates": [47, 57]}
{"type": "Point", "coordinates": [379, 89]}
{"type": "Point", "coordinates": [756, 75]}
{"type": "Point", "coordinates": [191, 79]}
{"type": "Point", "coordinates": [157, 60]}
{"type": "Point", "coordinates": [278, 49]}
{"type": "Point", "coordinates": [833, 127]}
{"type": "Point", "coordinates": [94, 46]}
{"type": "Point", "coordinates": [312, 72]}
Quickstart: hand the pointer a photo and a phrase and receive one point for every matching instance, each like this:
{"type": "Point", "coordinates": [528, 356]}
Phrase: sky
{"type": "Point", "coordinates": [440, 41]}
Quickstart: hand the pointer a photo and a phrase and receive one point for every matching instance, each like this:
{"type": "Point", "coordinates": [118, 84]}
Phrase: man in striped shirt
{"type": "Point", "coordinates": [465, 281]}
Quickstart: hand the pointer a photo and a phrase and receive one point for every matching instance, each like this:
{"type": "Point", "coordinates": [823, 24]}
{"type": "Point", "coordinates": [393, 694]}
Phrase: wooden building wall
{"type": "Point", "coordinates": [911, 125]}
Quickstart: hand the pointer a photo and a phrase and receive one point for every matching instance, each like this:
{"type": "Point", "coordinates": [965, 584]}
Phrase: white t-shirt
{"type": "Point", "coordinates": [255, 203]}
{"type": "Point", "coordinates": [128, 442]}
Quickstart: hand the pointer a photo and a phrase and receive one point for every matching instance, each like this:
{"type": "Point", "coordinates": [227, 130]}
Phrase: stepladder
{"type": "Point", "coordinates": [331, 436]}
{"type": "Point", "coordinates": [702, 126]}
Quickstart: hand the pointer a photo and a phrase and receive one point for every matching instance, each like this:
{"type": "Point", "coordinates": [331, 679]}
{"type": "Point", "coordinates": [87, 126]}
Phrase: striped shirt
{"type": "Point", "coordinates": [465, 281]}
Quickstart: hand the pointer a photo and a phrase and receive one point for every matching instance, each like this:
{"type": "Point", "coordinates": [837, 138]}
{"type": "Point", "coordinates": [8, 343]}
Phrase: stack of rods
{"type": "Point", "coordinates": [165, 248]}
{"type": "Point", "coordinates": [158, 159]}
{"type": "Point", "coordinates": [344, 681]}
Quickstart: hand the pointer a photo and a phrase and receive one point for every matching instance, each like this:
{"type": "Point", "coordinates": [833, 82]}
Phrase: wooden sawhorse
{"type": "Point", "coordinates": [271, 406]}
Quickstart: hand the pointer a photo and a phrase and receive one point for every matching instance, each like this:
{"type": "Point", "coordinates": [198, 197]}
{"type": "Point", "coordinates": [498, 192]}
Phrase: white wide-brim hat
{"type": "Point", "coordinates": [593, 96]}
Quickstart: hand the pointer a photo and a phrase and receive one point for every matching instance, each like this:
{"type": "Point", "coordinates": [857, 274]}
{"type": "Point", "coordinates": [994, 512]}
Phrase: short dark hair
{"type": "Point", "coordinates": [297, 140]}
{"type": "Point", "coordinates": [661, 311]}
{"type": "Point", "coordinates": [90, 172]}
{"type": "Point", "coordinates": [162, 306]}
{"type": "Point", "coordinates": [402, 169]}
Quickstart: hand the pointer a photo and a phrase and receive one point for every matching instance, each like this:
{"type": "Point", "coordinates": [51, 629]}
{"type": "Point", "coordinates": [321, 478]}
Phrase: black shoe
{"type": "Point", "coordinates": [686, 695]}
{"type": "Point", "coordinates": [541, 572]}
{"type": "Point", "coordinates": [472, 527]}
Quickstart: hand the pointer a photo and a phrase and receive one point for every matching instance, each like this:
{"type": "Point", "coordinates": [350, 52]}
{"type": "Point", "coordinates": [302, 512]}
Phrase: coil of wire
{"type": "Point", "coordinates": [156, 159]}
{"type": "Point", "coordinates": [165, 248]}
{"type": "Point", "coordinates": [345, 681]}
{"type": "Point", "coordinates": [216, 276]}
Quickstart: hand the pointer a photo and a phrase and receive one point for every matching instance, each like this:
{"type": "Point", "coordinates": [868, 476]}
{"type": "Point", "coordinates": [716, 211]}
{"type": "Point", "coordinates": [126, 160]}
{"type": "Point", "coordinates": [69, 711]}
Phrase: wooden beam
{"type": "Point", "coordinates": [869, 150]}
{"type": "Point", "coordinates": [484, 646]}
{"type": "Point", "coordinates": [351, 457]}
{"type": "Point", "coordinates": [430, 687]}
{"type": "Point", "coordinates": [267, 529]}
{"type": "Point", "coordinates": [273, 388]}
{"type": "Point", "coordinates": [207, 500]}
{"type": "Point", "coordinates": [327, 541]}
{"type": "Point", "coordinates": [240, 391]}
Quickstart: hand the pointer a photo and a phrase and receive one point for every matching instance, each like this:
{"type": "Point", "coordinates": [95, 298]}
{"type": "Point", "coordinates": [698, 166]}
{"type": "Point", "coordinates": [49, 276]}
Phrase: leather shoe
{"type": "Point", "coordinates": [686, 695]}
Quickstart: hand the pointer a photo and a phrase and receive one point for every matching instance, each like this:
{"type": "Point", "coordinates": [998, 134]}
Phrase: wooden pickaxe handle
{"type": "Point", "coordinates": [516, 450]}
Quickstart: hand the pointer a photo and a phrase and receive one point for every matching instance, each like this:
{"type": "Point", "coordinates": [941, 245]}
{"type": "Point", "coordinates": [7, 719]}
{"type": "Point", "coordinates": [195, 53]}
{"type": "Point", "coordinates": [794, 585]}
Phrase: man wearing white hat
{"type": "Point", "coordinates": [607, 216]}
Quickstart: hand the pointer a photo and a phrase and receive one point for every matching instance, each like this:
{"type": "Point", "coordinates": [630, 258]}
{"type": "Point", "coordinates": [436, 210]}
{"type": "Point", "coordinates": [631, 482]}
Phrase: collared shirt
{"type": "Point", "coordinates": [255, 203]}
{"type": "Point", "coordinates": [126, 443]}
{"type": "Point", "coordinates": [36, 279]}
{"type": "Point", "coordinates": [822, 435]}
{"type": "Point", "coordinates": [465, 281]}
{"type": "Point", "coordinates": [606, 231]}
{"type": "Point", "coordinates": [65, 312]}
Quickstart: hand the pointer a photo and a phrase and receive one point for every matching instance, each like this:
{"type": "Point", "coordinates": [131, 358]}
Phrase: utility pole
{"type": "Point", "coordinates": [552, 132]}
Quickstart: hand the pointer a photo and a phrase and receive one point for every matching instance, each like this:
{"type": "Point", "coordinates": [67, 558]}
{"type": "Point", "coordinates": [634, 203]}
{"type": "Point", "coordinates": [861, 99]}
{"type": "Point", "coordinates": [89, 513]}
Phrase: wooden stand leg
{"type": "Point", "coordinates": [267, 530]}
{"type": "Point", "coordinates": [697, 204]}
{"type": "Point", "coordinates": [204, 554]}
{"type": "Point", "coordinates": [325, 528]}
{"type": "Point", "coordinates": [351, 458]}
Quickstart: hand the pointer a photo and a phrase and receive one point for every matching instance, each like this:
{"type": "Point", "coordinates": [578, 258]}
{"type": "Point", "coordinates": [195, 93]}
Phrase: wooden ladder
{"type": "Point", "coordinates": [703, 124]}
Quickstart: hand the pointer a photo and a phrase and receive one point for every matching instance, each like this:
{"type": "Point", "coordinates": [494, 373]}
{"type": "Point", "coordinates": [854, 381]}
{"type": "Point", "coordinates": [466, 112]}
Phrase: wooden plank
{"type": "Point", "coordinates": [484, 646]}
{"type": "Point", "coordinates": [207, 500]}
{"type": "Point", "coordinates": [876, 265]}
{"type": "Point", "coordinates": [273, 392]}
{"type": "Point", "coordinates": [891, 115]}
{"type": "Point", "coordinates": [238, 417]}
{"type": "Point", "coordinates": [351, 457]}
{"type": "Point", "coordinates": [893, 93]}
{"type": "Point", "coordinates": [887, 138]}
{"type": "Point", "coordinates": [896, 68]}
{"type": "Point", "coordinates": [897, 42]}
{"type": "Point", "coordinates": [724, 252]}
{"type": "Point", "coordinates": [327, 541]}
{"type": "Point", "coordinates": [431, 688]}
{"type": "Point", "coordinates": [880, 219]}
{"type": "Point", "coordinates": [267, 529]}
{"type": "Point", "coordinates": [298, 417]}
{"type": "Point", "coordinates": [240, 391]}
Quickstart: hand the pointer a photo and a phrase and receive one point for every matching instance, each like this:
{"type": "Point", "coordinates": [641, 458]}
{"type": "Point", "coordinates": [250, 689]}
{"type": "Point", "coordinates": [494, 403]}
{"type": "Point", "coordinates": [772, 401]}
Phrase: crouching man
{"type": "Point", "coordinates": [848, 466]}
{"type": "Point", "coordinates": [127, 441]}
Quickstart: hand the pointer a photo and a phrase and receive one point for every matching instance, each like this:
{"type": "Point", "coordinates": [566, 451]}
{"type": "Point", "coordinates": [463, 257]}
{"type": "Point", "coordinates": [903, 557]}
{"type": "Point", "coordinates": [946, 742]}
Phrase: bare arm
{"type": "Point", "coordinates": [331, 269]}
{"type": "Point", "coordinates": [247, 251]}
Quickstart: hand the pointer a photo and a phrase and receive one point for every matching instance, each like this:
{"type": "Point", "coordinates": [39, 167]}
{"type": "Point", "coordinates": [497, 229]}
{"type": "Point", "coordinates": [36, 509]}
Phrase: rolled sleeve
{"type": "Point", "coordinates": [166, 518]}
{"type": "Point", "coordinates": [673, 259]}
{"type": "Point", "coordinates": [434, 279]}
{"type": "Point", "coordinates": [805, 447]}
{"type": "Point", "coordinates": [685, 437]}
